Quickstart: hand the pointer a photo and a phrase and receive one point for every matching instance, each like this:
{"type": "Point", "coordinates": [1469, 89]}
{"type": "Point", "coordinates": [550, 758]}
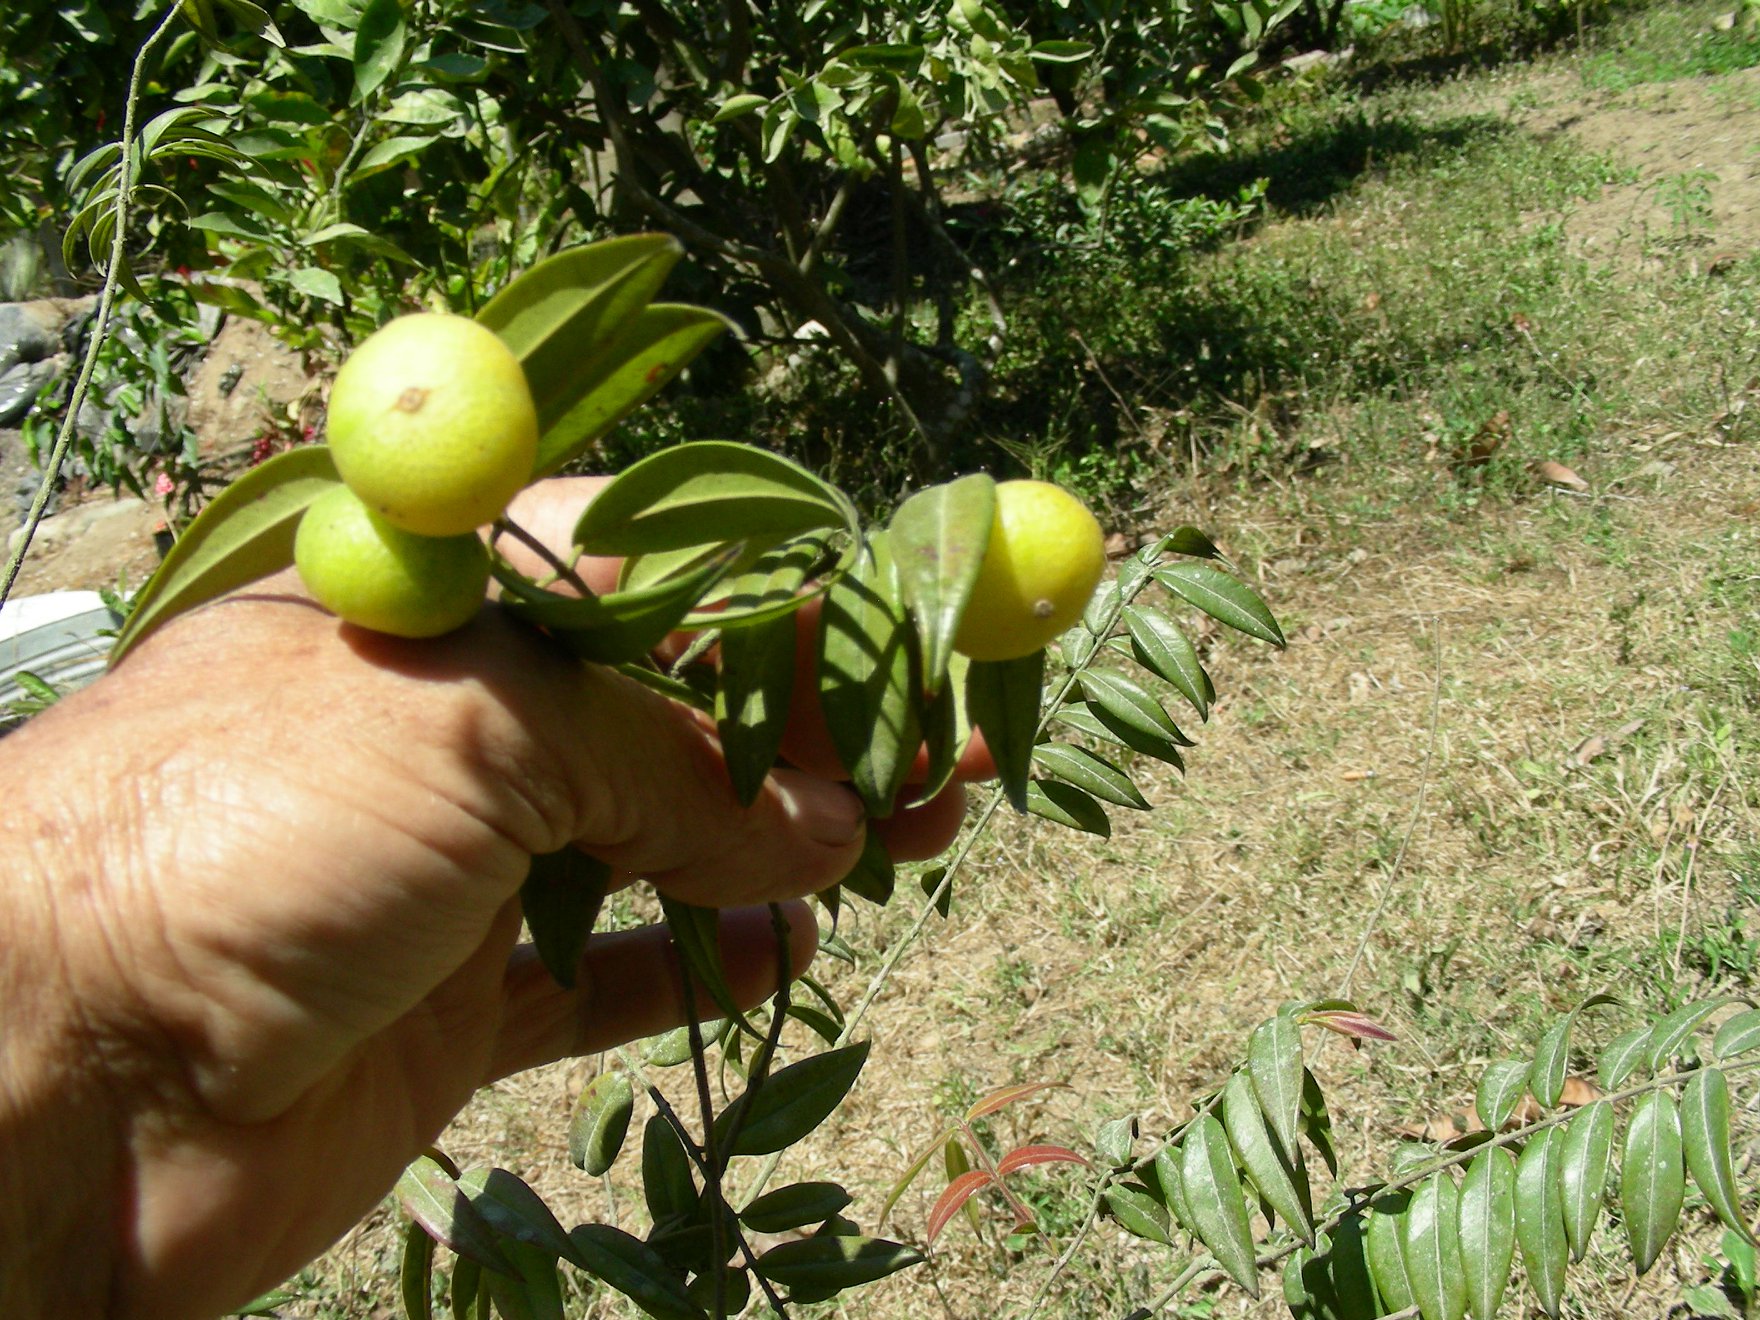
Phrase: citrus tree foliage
{"type": "Point", "coordinates": [321, 160]}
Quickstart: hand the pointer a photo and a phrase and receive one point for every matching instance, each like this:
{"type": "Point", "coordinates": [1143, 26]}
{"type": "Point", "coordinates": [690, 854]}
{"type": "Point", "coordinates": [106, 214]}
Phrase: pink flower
{"type": "Point", "coordinates": [164, 485]}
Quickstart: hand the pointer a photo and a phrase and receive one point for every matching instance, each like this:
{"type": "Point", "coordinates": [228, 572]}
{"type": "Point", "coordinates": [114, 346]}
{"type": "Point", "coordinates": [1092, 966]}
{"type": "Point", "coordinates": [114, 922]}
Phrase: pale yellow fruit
{"type": "Point", "coordinates": [367, 572]}
{"type": "Point", "coordinates": [1044, 559]}
{"type": "Point", "coordinates": [432, 424]}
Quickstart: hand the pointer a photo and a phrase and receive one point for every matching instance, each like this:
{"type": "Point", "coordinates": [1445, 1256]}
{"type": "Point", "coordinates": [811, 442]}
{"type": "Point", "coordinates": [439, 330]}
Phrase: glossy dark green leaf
{"type": "Point", "coordinates": [671, 1048]}
{"type": "Point", "coordinates": [1384, 1238]}
{"type": "Point", "coordinates": [379, 40]}
{"type": "Point", "coordinates": [1066, 805]}
{"type": "Point", "coordinates": [1551, 1060]}
{"type": "Point", "coordinates": [938, 537]}
{"type": "Point", "coordinates": [415, 1275]}
{"type": "Point", "coordinates": [1274, 1063]}
{"type": "Point", "coordinates": [1624, 1054]}
{"type": "Point", "coordinates": [820, 1024]}
{"type": "Point", "coordinates": [869, 683]}
{"type": "Point", "coordinates": [790, 1103]}
{"type": "Point", "coordinates": [1433, 1250]}
{"type": "Point", "coordinates": [1181, 541]}
{"type": "Point", "coordinates": [1316, 1122]}
{"type": "Point", "coordinates": [1138, 1213]}
{"type": "Point", "coordinates": [1738, 1035]}
{"type": "Point", "coordinates": [708, 493]}
{"type": "Point", "coordinates": [1500, 1090]}
{"type": "Point", "coordinates": [1706, 1139]}
{"type": "Point", "coordinates": [752, 698]}
{"type": "Point", "coordinates": [822, 1265]}
{"type": "Point", "coordinates": [946, 731]}
{"type": "Point", "coordinates": [560, 900]}
{"type": "Point", "coordinates": [1540, 1218]}
{"type": "Point", "coordinates": [634, 1269]}
{"type": "Point", "coordinates": [1213, 1191]}
{"type": "Point", "coordinates": [470, 1299]}
{"type": "Point", "coordinates": [433, 1198]}
{"type": "Point", "coordinates": [619, 626]}
{"type": "Point", "coordinates": [1488, 1229]}
{"type": "Point", "coordinates": [874, 874]}
{"type": "Point", "coordinates": [1080, 715]}
{"type": "Point", "coordinates": [535, 1293]}
{"type": "Point", "coordinates": [1307, 1292]}
{"type": "Point", "coordinates": [696, 934]}
{"type": "Point", "coordinates": [1585, 1157]}
{"type": "Point", "coordinates": [560, 312]}
{"type": "Point", "coordinates": [779, 581]}
{"type": "Point", "coordinates": [1002, 697]}
{"type": "Point", "coordinates": [1669, 1035]}
{"type": "Point", "coordinates": [1092, 774]}
{"type": "Point", "coordinates": [599, 1122]}
{"type": "Point", "coordinates": [1171, 1179]}
{"type": "Point", "coordinates": [516, 1212]}
{"type": "Point", "coordinates": [668, 1184]}
{"type": "Point", "coordinates": [1280, 1181]}
{"type": "Point", "coordinates": [1652, 1181]}
{"type": "Point", "coordinates": [1122, 702]}
{"type": "Point", "coordinates": [795, 1206]}
{"type": "Point", "coordinates": [1223, 598]}
{"type": "Point", "coordinates": [245, 533]}
{"type": "Point", "coordinates": [1162, 649]}
{"type": "Point", "coordinates": [630, 369]}
{"type": "Point", "coordinates": [1099, 614]}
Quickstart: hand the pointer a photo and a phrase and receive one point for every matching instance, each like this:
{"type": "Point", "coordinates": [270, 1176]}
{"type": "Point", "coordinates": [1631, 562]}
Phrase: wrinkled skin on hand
{"type": "Point", "coordinates": [262, 900]}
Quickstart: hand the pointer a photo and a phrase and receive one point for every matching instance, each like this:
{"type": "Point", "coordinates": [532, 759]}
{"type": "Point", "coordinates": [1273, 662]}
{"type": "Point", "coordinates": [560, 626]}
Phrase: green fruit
{"type": "Point", "coordinates": [432, 424]}
{"type": "Point", "coordinates": [1044, 558]}
{"type": "Point", "coordinates": [367, 572]}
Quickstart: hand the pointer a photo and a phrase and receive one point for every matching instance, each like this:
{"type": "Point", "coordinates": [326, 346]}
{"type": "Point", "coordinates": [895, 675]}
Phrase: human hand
{"type": "Point", "coordinates": [264, 903]}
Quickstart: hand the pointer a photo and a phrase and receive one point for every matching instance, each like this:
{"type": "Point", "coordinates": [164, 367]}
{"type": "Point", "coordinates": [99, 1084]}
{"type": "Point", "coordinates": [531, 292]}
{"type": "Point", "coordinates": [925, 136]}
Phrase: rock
{"type": "Point", "coordinates": [19, 387]}
{"type": "Point", "coordinates": [90, 545]}
{"type": "Point", "coordinates": [29, 332]}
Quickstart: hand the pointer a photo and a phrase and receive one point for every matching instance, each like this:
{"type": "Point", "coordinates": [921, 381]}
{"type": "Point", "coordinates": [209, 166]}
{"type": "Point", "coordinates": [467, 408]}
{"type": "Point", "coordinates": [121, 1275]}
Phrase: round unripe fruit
{"type": "Point", "coordinates": [367, 572]}
{"type": "Point", "coordinates": [1044, 559]}
{"type": "Point", "coordinates": [432, 424]}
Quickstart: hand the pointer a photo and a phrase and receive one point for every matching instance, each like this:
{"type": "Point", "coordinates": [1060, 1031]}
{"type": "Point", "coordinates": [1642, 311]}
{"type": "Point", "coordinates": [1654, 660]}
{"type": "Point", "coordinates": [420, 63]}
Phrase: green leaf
{"type": "Point", "coordinates": [1668, 1035]}
{"type": "Point", "coordinates": [1316, 1123]}
{"type": "Point", "coordinates": [1737, 1036]}
{"type": "Point", "coordinates": [1138, 1213]}
{"type": "Point", "coordinates": [1546, 1075]}
{"type": "Point", "coordinates": [1213, 1191]}
{"type": "Point", "coordinates": [752, 700]}
{"type": "Point", "coordinates": [795, 1206]}
{"type": "Point", "coordinates": [1705, 1136]}
{"type": "Point", "coordinates": [1274, 1062]}
{"type": "Point", "coordinates": [433, 1198]}
{"type": "Point", "coordinates": [1092, 774]}
{"type": "Point", "coordinates": [790, 1103]}
{"type": "Point", "coordinates": [1500, 1090]}
{"type": "Point", "coordinates": [509, 1206]}
{"type": "Point", "coordinates": [822, 1265]}
{"type": "Point", "coordinates": [560, 900]}
{"type": "Point", "coordinates": [415, 1275]}
{"type": "Point", "coordinates": [317, 283]}
{"type": "Point", "coordinates": [1168, 1175]}
{"type": "Point", "coordinates": [1540, 1218]}
{"type": "Point", "coordinates": [536, 1294]}
{"type": "Point", "coordinates": [1123, 703]}
{"type": "Point", "coordinates": [1162, 649]}
{"type": "Point", "coordinates": [741, 104]}
{"type": "Point", "coordinates": [939, 537]}
{"type": "Point", "coordinates": [1080, 715]}
{"type": "Point", "coordinates": [634, 1269]}
{"type": "Point", "coordinates": [1622, 1056]}
{"type": "Point", "coordinates": [874, 874]}
{"type": "Point", "coordinates": [668, 1186]}
{"type": "Point", "coordinates": [708, 493]}
{"type": "Point", "coordinates": [1652, 1183]}
{"type": "Point", "coordinates": [1223, 598]}
{"type": "Point", "coordinates": [696, 934]}
{"type": "Point", "coordinates": [619, 626]}
{"type": "Point", "coordinates": [629, 369]}
{"type": "Point", "coordinates": [600, 1122]}
{"type": "Point", "coordinates": [1066, 805]}
{"type": "Point", "coordinates": [869, 682]}
{"type": "Point", "coordinates": [1488, 1229]}
{"type": "Point", "coordinates": [1385, 1238]}
{"type": "Point", "coordinates": [1432, 1250]}
{"type": "Point", "coordinates": [1280, 1180]}
{"type": "Point", "coordinates": [1585, 1156]}
{"type": "Point", "coordinates": [378, 46]}
{"type": "Point", "coordinates": [245, 533]}
{"type": "Point", "coordinates": [778, 582]}
{"type": "Point", "coordinates": [1002, 697]}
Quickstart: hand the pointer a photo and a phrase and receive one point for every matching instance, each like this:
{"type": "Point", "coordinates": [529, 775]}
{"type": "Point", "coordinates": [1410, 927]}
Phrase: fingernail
{"type": "Point", "coordinates": [827, 813]}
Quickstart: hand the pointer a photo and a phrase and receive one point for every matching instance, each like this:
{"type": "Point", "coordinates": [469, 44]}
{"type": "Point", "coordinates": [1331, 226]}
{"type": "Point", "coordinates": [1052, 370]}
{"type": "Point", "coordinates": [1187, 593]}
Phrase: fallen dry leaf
{"type": "Point", "coordinates": [1458, 1123]}
{"type": "Point", "coordinates": [1557, 474]}
{"type": "Point", "coordinates": [1486, 441]}
{"type": "Point", "coordinates": [1353, 776]}
{"type": "Point", "coordinates": [1600, 744]}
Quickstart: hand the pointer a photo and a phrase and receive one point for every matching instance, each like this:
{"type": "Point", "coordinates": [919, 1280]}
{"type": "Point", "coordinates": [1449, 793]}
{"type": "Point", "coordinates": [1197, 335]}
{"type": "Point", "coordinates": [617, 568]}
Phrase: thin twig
{"type": "Point", "coordinates": [106, 300]}
{"type": "Point", "coordinates": [1411, 826]}
{"type": "Point", "coordinates": [564, 572]}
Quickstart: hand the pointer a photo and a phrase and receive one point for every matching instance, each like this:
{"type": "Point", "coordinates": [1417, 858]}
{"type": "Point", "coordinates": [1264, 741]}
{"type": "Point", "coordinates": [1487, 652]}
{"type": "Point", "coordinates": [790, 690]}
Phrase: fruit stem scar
{"type": "Point", "coordinates": [1043, 609]}
{"type": "Point", "coordinates": [412, 399]}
